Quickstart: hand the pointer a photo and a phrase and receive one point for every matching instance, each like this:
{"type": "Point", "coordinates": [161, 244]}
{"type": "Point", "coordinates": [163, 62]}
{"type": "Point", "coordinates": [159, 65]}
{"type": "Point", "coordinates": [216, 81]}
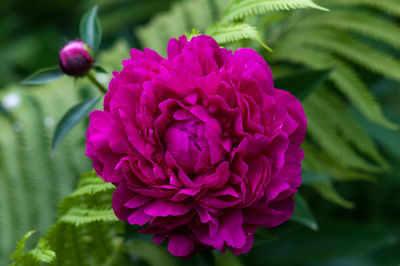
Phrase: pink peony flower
{"type": "Point", "coordinates": [201, 146]}
{"type": "Point", "coordinates": [76, 58]}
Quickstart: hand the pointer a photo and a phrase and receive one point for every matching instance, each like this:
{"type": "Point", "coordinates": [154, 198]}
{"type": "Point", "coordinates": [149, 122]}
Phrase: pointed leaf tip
{"type": "Point", "coordinates": [302, 213]}
{"type": "Point", "coordinates": [43, 76]}
{"type": "Point", "coordinates": [90, 29]}
{"type": "Point", "coordinates": [71, 118]}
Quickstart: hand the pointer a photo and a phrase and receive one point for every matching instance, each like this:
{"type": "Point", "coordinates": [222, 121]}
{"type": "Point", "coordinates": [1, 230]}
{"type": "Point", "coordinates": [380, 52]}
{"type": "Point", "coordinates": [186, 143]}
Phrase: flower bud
{"type": "Point", "coordinates": [76, 58]}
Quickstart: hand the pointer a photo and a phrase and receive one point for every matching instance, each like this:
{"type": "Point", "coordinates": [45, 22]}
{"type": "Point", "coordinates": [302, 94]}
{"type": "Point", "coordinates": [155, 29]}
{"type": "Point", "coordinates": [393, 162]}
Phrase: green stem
{"type": "Point", "coordinates": [100, 86]}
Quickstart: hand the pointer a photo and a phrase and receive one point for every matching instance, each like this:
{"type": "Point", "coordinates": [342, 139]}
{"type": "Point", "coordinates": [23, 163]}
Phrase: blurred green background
{"type": "Point", "coordinates": [31, 34]}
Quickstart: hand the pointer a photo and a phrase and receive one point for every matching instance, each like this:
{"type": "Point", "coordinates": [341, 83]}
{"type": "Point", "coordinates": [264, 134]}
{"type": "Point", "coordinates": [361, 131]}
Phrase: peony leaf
{"type": "Point", "coordinates": [90, 29]}
{"type": "Point", "coordinates": [43, 76]}
{"type": "Point", "coordinates": [100, 69]}
{"type": "Point", "coordinates": [302, 213]}
{"type": "Point", "coordinates": [71, 118]}
{"type": "Point", "coordinates": [302, 83]}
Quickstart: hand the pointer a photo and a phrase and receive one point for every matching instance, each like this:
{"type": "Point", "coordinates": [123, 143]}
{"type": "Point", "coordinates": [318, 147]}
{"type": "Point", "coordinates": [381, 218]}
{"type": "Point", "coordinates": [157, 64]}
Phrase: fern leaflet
{"type": "Point", "coordinates": [388, 6]}
{"type": "Point", "coordinates": [344, 77]}
{"type": "Point", "coordinates": [327, 191]}
{"type": "Point", "coordinates": [42, 252]}
{"type": "Point", "coordinates": [352, 49]}
{"type": "Point", "coordinates": [363, 22]}
{"type": "Point", "coordinates": [82, 215]}
{"type": "Point", "coordinates": [89, 184]}
{"type": "Point", "coordinates": [240, 9]}
{"type": "Point", "coordinates": [235, 32]}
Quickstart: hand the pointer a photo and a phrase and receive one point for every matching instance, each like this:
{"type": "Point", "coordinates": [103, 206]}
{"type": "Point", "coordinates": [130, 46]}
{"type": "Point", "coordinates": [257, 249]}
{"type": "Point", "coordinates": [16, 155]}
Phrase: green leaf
{"type": "Point", "coordinates": [71, 118]}
{"type": "Point", "coordinates": [82, 215]}
{"type": "Point", "coordinates": [328, 192]}
{"type": "Point", "coordinates": [90, 29]}
{"type": "Point", "coordinates": [42, 252]}
{"type": "Point", "coordinates": [100, 69]}
{"type": "Point", "coordinates": [17, 255]}
{"type": "Point", "coordinates": [43, 76]}
{"type": "Point", "coordinates": [303, 83]}
{"type": "Point", "coordinates": [90, 184]}
{"type": "Point", "coordinates": [223, 33]}
{"type": "Point", "coordinates": [302, 213]}
{"type": "Point", "coordinates": [243, 8]}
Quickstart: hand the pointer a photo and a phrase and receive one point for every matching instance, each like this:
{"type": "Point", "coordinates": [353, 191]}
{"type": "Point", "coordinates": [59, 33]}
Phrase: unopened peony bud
{"type": "Point", "coordinates": [76, 58]}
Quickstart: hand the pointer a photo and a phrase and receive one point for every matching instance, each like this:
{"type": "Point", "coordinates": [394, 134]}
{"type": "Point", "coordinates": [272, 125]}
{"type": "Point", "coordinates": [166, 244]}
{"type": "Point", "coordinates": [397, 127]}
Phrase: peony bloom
{"type": "Point", "coordinates": [201, 146]}
{"type": "Point", "coordinates": [76, 58]}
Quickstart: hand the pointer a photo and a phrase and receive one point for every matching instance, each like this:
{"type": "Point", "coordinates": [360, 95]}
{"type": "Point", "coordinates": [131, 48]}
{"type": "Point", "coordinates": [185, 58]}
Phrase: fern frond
{"type": "Point", "coordinates": [364, 22]}
{"type": "Point", "coordinates": [344, 77]}
{"type": "Point", "coordinates": [244, 8]}
{"type": "Point", "coordinates": [320, 130]}
{"type": "Point", "coordinates": [18, 253]}
{"type": "Point", "coordinates": [42, 252]}
{"type": "Point", "coordinates": [389, 6]}
{"type": "Point", "coordinates": [223, 33]}
{"type": "Point", "coordinates": [330, 106]}
{"type": "Point", "coordinates": [90, 184]}
{"type": "Point", "coordinates": [69, 243]}
{"type": "Point", "coordinates": [352, 49]}
{"type": "Point", "coordinates": [82, 215]}
{"type": "Point", "coordinates": [327, 191]}
{"type": "Point", "coordinates": [352, 86]}
{"type": "Point", "coordinates": [319, 162]}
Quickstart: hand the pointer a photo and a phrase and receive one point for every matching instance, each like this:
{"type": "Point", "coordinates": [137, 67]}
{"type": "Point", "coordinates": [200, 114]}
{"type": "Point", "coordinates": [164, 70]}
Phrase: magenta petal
{"type": "Point", "coordinates": [180, 245]}
{"type": "Point", "coordinates": [137, 201]}
{"type": "Point", "coordinates": [164, 208]}
{"type": "Point", "coordinates": [138, 217]}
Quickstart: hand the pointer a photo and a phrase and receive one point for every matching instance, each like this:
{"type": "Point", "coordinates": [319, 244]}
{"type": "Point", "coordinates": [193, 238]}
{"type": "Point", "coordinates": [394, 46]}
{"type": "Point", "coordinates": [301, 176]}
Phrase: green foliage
{"type": "Point", "coordinates": [79, 215]}
{"type": "Point", "coordinates": [20, 246]}
{"type": "Point", "coordinates": [43, 76]}
{"type": "Point", "coordinates": [388, 6]}
{"type": "Point", "coordinates": [82, 234]}
{"type": "Point", "coordinates": [90, 184]}
{"type": "Point", "coordinates": [302, 213]}
{"type": "Point", "coordinates": [40, 254]}
{"type": "Point", "coordinates": [223, 33]}
{"type": "Point", "coordinates": [184, 16]}
{"type": "Point", "coordinates": [31, 181]}
{"type": "Point", "coordinates": [341, 40]}
{"type": "Point", "coordinates": [240, 9]}
{"type": "Point", "coordinates": [90, 29]}
{"type": "Point", "coordinates": [72, 117]}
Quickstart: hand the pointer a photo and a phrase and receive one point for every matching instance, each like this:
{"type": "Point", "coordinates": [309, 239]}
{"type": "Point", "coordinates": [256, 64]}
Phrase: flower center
{"type": "Point", "coordinates": [186, 143]}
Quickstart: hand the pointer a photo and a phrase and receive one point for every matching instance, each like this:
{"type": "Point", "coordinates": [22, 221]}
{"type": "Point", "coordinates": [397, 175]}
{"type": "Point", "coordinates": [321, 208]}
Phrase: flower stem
{"type": "Point", "coordinates": [100, 86]}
